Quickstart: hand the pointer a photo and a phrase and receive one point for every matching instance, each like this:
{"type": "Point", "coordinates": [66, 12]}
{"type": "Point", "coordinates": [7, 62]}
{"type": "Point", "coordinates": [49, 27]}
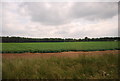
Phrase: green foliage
{"type": "Point", "coordinates": [51, 47]}
{"type": "Point", "coordinates": [82, 67]}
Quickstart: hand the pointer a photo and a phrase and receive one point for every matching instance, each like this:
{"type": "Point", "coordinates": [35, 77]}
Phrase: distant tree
{"type": "Point", "coordinates": [23, 39]}
{"type": "Point", "coordinates": [86, 38]}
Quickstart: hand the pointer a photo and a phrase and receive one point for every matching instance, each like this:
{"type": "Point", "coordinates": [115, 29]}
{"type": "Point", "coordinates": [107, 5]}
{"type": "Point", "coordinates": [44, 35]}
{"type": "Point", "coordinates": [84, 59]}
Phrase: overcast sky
{"type": "Point", "coordinates": [60, 19]}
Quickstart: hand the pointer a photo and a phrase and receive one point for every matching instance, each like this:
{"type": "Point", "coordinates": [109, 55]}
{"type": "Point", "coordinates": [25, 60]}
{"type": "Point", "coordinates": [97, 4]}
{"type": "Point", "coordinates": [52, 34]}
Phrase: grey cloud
{"type": "Point", "coordinates": [61, 13]}
{"type": "Point", "coordinates": [40, 13]}
{"type": "Point", "coordinates": [94, 10]}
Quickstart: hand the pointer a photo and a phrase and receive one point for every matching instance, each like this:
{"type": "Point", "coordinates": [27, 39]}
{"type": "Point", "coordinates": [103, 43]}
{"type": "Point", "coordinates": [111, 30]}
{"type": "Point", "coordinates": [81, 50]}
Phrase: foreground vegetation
{"type": "Point", "coordinates": [50, 47]}
{"type": "Point", "coordinates": [82, 67]}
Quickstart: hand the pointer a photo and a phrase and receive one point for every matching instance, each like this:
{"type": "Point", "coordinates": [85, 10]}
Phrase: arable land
{"type": "Point", "coordinates": [60, 60]}
{"type": "Point", "coordinates": [53, 47]}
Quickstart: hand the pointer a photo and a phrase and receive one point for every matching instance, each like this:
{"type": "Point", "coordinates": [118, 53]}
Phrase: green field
{"type": "Point", "coordinates": [50, 47]}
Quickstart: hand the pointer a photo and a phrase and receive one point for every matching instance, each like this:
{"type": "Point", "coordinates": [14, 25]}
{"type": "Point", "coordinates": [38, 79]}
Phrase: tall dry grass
{"type": "Point", "coordinates": [83, 67]}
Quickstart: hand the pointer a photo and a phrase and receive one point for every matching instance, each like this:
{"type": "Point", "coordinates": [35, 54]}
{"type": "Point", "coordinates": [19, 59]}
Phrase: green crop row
{"type": "Point", "coordinates": [51, 47]}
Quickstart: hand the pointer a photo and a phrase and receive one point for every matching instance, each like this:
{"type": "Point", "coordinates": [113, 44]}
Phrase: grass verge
{"type": "Point", "coordinates": [82, 67]}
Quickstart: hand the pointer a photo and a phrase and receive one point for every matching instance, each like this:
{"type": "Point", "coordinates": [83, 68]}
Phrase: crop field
{"type": "Point", "coordinates": [51, 47]}
{"type": "Point", "coordinates": [51, 60]}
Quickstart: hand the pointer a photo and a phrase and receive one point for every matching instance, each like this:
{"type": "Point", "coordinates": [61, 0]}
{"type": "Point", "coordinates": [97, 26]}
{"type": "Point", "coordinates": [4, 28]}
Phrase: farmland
{"type": "Point", "coordinates": [60, 60]}
{"type": "Point", "coordinates": [50, 47]}
{"type": "Point", "coordinates": [59, 40]}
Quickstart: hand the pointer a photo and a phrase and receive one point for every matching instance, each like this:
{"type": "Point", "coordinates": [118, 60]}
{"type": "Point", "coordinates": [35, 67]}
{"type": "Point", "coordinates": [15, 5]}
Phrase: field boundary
{"type": "Point", "coordinates": [70, 54]}
{"type": "Point", "coordinates": [57, 51]}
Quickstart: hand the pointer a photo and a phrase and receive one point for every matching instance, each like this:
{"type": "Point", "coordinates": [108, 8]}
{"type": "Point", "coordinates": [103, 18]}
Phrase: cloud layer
{"type": "Point", "coordinates": [61, 13]}
{"type": "Point", "coordinates": [65, 19]}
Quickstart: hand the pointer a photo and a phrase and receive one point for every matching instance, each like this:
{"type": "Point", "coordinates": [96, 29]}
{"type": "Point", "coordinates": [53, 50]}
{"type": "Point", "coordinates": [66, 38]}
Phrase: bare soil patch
{"type": "Point", "coordinates": [61, 54]}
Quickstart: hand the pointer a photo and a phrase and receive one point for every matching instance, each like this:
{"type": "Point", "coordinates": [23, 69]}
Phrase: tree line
{"type": "Point", "coordinates": [8, 39]}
